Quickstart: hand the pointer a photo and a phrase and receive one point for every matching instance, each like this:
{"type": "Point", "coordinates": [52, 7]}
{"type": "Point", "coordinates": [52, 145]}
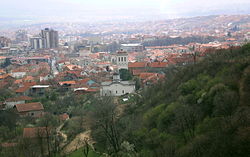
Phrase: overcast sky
{"type": "Point", "coordinates": [113, 8]}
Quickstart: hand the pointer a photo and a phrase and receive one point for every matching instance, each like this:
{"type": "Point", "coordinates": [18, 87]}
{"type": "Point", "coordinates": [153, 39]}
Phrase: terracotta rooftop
{"type": "Point", "coordinates": [22, 89]}
{"type": "Point", "coordinates": [136, 72]}
{"type": "Point", "coordinates": [36, 106]}
{"type": "Point", "coordinates": [29, 78]}
{"type": "Point", "coordinates": [67, 82]}
{"type": "Point", "coordinates": [18, 81]}
{"type": "Point", "coordinates": [143, 76]}
{"type": "Point", "coordinates": [25, 87]}
{"type": "Point", "coordinates": [5, 76]}
{"type": "Point", "coordinates": [158, 64]}
{"type": "Point", "coordinates": [137, 64]}
{"type": "Point", "coordinates": [2, 71]}
{"type": "Point", "coordinates": [19, 98]}
{"type": "Point", "coordinates": [84, 81]}
{"type": "Point", "coordinates": [64, 116]}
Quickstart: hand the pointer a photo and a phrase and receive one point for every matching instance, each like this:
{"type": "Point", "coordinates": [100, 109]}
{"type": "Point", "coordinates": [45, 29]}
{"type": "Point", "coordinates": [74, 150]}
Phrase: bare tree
{"type": "Point", "coordinates": [86, 147]}
{"type": "Point", "coordinates": [105, 119]}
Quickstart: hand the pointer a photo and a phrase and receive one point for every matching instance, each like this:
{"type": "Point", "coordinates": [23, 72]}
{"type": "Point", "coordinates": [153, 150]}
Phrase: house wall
{"type": "Point", "coordinates": [31, 113]}
{"type": "Point", "coordinates": [46, 78]}
{"type": "Point", "coordinates": [116, 89]}
{"type": "Point", "coordinates": [13, 103]}
{"type": "Point", "coordinates": [18, 74]}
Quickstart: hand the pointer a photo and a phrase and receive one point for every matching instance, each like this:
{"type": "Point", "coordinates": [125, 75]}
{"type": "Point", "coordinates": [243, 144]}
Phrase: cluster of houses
{"type": "Point", "coordinates": [97, 73]}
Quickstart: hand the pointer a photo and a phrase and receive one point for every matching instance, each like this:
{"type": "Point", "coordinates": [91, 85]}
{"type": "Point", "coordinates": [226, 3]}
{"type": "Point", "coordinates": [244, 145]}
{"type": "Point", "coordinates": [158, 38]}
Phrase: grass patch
{"type": "Point", "coordinates": [79, 153]}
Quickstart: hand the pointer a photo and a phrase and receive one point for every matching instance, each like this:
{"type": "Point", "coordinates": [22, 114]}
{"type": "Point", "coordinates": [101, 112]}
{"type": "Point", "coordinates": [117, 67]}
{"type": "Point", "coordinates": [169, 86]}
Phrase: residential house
{"type": "Point", "coordinates": [157, 66]}
{"type": "Point", "coordinates": [85, 90]}
{"type": "Point", "coordinates": [45, 77]}
{"type": "Point", "coordinates": [11, 102]}
{"type": "Point", "coordinates": [30, 109]}
{"type": "Point", "coordinates": [38, 90]}
{"type": "Point", "coordinates": [24, 89]}
{"type": "Point", "coordinates": [6, 77]}
{"type": "Point", "coordinates": [2, 71]}
{"type": "Point", "coordinates": [19, 73]}
{"type": "Point", "coordinates": [152, 79]}
{"type": "Point", "coordinates": [66, 85]}
{"type": "Point", "coordinates": [86, 81]}
{"type": "Point", "coordinates": [137, 66]}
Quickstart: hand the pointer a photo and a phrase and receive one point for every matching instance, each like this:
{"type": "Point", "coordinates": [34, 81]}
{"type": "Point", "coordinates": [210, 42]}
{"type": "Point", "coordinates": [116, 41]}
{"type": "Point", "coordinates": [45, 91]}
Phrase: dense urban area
{"type": "Point", "coordinates": [174, 88]}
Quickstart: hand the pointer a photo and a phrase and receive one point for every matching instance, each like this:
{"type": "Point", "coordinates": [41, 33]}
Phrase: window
{"type": "Point", "coordinates": [123, 91]}
{"type": "Point", "coordinates": [116, 92]}
{"type": "Point", "coordinates": [122, 59]}
{"type": "Point", "coordinates": [119, 59]}
{"type": "Point", "coordinates": [125, 59]}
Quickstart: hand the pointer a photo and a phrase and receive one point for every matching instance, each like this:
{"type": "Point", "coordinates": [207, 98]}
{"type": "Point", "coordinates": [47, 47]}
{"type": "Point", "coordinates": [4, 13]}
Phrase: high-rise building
{"type": "Point", "coordinates": [50, 38]}
{"type": "Point", "coordinates": [47, 39]}
{"type": "Point", "coordinates": [37, 42]}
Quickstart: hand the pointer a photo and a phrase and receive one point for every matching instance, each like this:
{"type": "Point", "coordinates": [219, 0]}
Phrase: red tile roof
{"type": "Point", "coordinates": [67, 82]}
{"type": "Point", "coordinates": [137, 64]}
{"type": "Point", "coordinates": [64, 117]}
{"type": "Point", "coordinates": [2, 71]}
{"type": "Point", "coordinates": [18, 81]}
{"type": "Point", "coordinates": [143, 76]}
{"type": "Point", "coordinates": [158, 64]}
{"type": "Point", "coordinates": [29, 83]}
{"type": "Point", "coordinates": [76, 73]}
{"type": "Point", "coordinates": [26, 86]}
{"type": "Point", "coordinates": [136, 72]}
{"type": "Point", "coordinates": [5, 76]}
{"type": "Point", "coordinates": [36, 106]}
{"type": "Point", "coordinates": [21, 69]}
{"type": "Point", "coordinates": [22, 89]}
{"type": "Point", "coordinates": [19, 98]}
{"type": "Point", "coordinates": [92, 90]}
{"type": "Point", "coordinates": [84, 81]}
{"type": "Point", "coordinates": [29, 78]}
{"type": "Point", "coordinates": [154, 78]}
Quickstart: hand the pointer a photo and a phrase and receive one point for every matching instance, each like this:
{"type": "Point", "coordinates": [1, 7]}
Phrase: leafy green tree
{"type": "Point", "coordinates": [125, 74]}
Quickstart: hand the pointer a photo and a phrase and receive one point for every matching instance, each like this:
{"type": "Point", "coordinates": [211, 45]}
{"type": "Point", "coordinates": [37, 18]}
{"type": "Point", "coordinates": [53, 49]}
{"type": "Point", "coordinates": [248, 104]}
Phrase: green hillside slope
{"type": "Point", "coordinates": [200, 110]}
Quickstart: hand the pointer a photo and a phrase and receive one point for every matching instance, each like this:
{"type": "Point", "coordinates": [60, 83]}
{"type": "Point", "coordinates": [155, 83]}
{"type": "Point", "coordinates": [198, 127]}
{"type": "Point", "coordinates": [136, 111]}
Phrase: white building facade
{"type": "Point", "coordinates": [122, 60]}
{"type": "Point", "coordinates": [117, 87]}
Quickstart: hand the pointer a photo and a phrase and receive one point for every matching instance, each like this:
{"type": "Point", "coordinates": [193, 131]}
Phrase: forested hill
{"type": "Point", "coordinates": [201, 110]}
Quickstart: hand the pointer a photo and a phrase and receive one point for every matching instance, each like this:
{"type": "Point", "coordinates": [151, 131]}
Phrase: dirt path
{"type": "Point", "coordinates": [78, 142]}
{"type": "Point", "coordinates": [63, 135]}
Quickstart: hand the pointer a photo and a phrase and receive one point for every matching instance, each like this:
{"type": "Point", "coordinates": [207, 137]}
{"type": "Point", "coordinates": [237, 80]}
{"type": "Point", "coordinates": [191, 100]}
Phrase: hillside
{"type": "Point", "coordinates": [200, 110]}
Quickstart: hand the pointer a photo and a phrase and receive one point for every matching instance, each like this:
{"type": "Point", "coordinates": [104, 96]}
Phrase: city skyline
{"type": "Point", "coordinates": [77, 10]}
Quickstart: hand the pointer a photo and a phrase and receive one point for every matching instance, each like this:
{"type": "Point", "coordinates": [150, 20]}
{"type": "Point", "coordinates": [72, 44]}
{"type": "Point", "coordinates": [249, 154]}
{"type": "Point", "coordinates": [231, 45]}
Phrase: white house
{"type": "Point", "coordinates": [117, 87]}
